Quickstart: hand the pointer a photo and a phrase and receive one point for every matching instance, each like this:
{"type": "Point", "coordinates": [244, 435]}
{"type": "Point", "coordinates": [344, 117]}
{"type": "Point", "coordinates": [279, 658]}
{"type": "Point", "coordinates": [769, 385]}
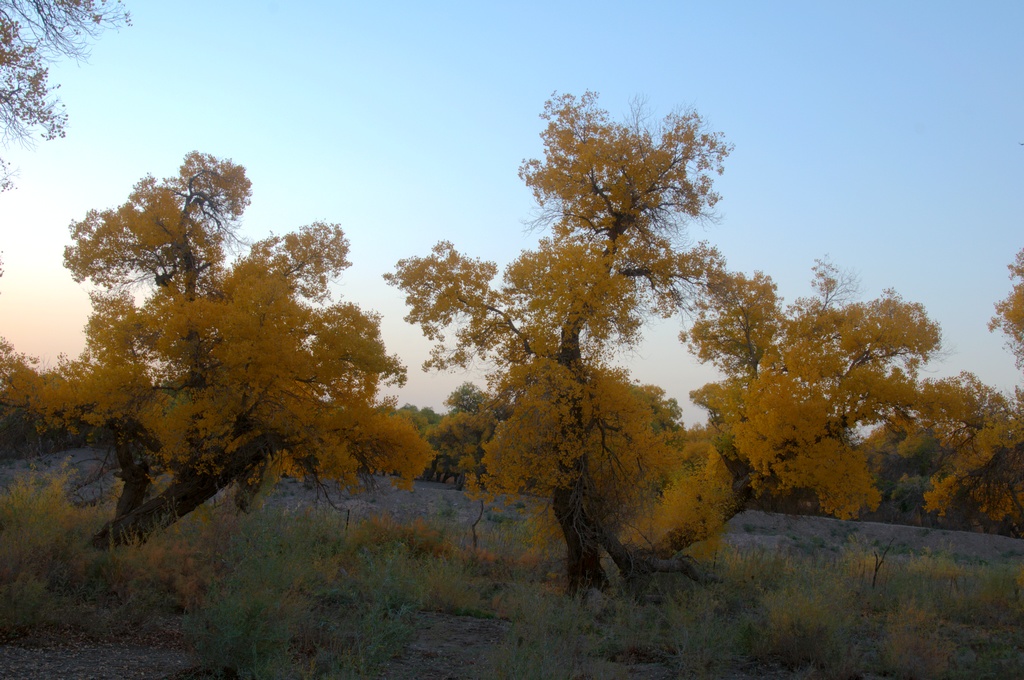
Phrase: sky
{"type": "Point", "coordinates": [885, 136]}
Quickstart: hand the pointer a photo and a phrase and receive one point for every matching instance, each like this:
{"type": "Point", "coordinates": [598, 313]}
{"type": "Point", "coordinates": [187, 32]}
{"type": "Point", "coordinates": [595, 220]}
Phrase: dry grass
{"type": "Point", "coordinates": [308, 594]}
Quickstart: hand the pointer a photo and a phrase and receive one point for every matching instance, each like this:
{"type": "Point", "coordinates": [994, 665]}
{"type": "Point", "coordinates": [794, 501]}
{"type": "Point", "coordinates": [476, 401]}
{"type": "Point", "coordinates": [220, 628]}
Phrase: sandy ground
{"type": "Point", "coordinates": [91, 477]}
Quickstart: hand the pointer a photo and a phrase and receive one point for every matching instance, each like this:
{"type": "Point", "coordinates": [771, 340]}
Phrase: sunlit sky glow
{"type": "Point", "coordinates": [883, 135]}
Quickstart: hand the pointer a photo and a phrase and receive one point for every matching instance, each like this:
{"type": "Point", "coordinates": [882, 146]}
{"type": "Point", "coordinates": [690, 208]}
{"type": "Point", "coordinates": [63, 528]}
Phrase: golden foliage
{"type": "Point", "coordinates": [802, 382]}
{"type": "Point", "coordinates": [220, 367]}
{"type": "Point", "coordinates": [459, 441]}
{"type": "Point", "coordinates": [538, 447]}
{"type": "Point", "coordinates": [985, 431]}
{"type": "Point", "coordinates": [616, 197]}
{"type": "Point", "coordinates": [19, 377]}
{"type": "Point", "coordinates": [984, 428]}
{"type": "Point", "coordinates": [1010, 312]}
{"type": "Point", "coordinates": [649, 173]}
{"type": "Point", "coordinates": [695, 505]}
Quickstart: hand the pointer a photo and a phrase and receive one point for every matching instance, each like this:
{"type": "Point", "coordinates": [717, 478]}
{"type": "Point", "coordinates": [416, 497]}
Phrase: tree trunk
{"type": "Point", "coordinates": [179, 499]}
{"type": "Point", "coordinates": [636, 566]}
{"type": "Point", "coordinates": [431, 472]}
{"type": "Point", "coordinates": [135, 477]}
{"type": "Point", "coordinates": [186, 493]}
{"type": "Point", "coordinates": [583, 560]}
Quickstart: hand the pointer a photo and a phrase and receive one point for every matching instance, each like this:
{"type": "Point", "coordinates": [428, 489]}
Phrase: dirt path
{"type": "Point", "coordinates": [447, 648]}
{"type": "Point", "coordinates": [91, 662]}
{"type": "Point", "coordinates": [157, 652]}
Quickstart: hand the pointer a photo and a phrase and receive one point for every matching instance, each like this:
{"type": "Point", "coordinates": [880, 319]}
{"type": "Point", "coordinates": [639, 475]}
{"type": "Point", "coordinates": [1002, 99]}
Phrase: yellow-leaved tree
{"type": "Point", "coordinates": [19, 379]}
{"type": "Point", "coordinates": [984, 428]}
{"type": "Point", "coordinates": [19, 383]}
{"type": "Point", "coordinates": [460, 436]}
{"type": "Point", "coordinates": [803, 383]}
{"type": "Point", "coordinates": [34, 33]}
{"type": "Point", "coordinates": [616, 198]}
{"type": "Point", "coordinates": [215, 370]}
{"type": "Point", "coordinates": [1009, 316]}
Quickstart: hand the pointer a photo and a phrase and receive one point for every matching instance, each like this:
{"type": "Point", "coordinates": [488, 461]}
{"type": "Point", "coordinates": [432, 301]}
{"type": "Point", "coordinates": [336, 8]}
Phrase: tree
{"type": "Point", "coordinates": [18, 379]}
{"type": "Point", "coordinates": [460, 436]}
{"type": "Point", "coordinates": [466, 398]}
{"type": "Point", "coordinates": [33, 33]}
{"type": "Point", "coordinates": [803, 382]}
{"type": "Point", "coordinates": [1010, 312]}
{"type": "Point", "coordinates": [223, 371]}
{"type": "Point", "coordinates": [984, 428]}
{"type": "Point", "coordinates": [423, 419]}
{"type": "Point", "coordinates": [616, 198]}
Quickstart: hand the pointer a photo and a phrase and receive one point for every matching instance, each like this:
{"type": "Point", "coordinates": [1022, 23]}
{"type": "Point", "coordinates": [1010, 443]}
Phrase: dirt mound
{"type": "Point", "coordinates": [810, 535]}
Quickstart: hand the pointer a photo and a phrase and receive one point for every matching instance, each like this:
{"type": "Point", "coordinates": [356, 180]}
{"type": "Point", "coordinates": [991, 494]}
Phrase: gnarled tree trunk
{"type": "Point", "coordinates": [188, 491]}
{"type": "Point", "coordinates": [135, 476]}
{"type": "Point", "coordinates": [581, 539]}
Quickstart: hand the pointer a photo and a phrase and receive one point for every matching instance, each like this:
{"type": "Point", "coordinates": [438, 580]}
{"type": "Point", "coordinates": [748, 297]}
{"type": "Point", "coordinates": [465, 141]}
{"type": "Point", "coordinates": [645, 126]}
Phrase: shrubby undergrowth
{"type": "Point", "coordinates": [304, 594]}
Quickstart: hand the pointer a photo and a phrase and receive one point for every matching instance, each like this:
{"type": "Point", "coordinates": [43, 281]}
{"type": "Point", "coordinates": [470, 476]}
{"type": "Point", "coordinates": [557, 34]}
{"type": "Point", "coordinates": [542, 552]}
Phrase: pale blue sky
{"type": "Point", "coordinates": [882, 134]}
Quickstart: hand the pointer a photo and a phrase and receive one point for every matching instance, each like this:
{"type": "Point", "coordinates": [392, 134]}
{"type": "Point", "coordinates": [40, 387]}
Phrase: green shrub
{"type": "Point", "coordinates": [913, 648]}
{"type": "Point", "coordinates": [448, 587]}
{"type": "Point", "coordinates": [549, 639]}
{"type": "Point", "coordinates": [294, 595]}
{"type": "Point", "coordinates": [246, 628]}
{"type": "Point", "coordinates": [808, 624]}
{"type": "Point", "coordinates": [703, 634]}
{"type": "Point", "coordinates": [348, 637]}
{"type": "Point", "coordinates": [301, 594]}
{"type": "Point", "coordinates": [25, 602]}
{"type": "Point", "coordinates": [44, 550]}
{"type": "Point", "coordinates": [249, 617]}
